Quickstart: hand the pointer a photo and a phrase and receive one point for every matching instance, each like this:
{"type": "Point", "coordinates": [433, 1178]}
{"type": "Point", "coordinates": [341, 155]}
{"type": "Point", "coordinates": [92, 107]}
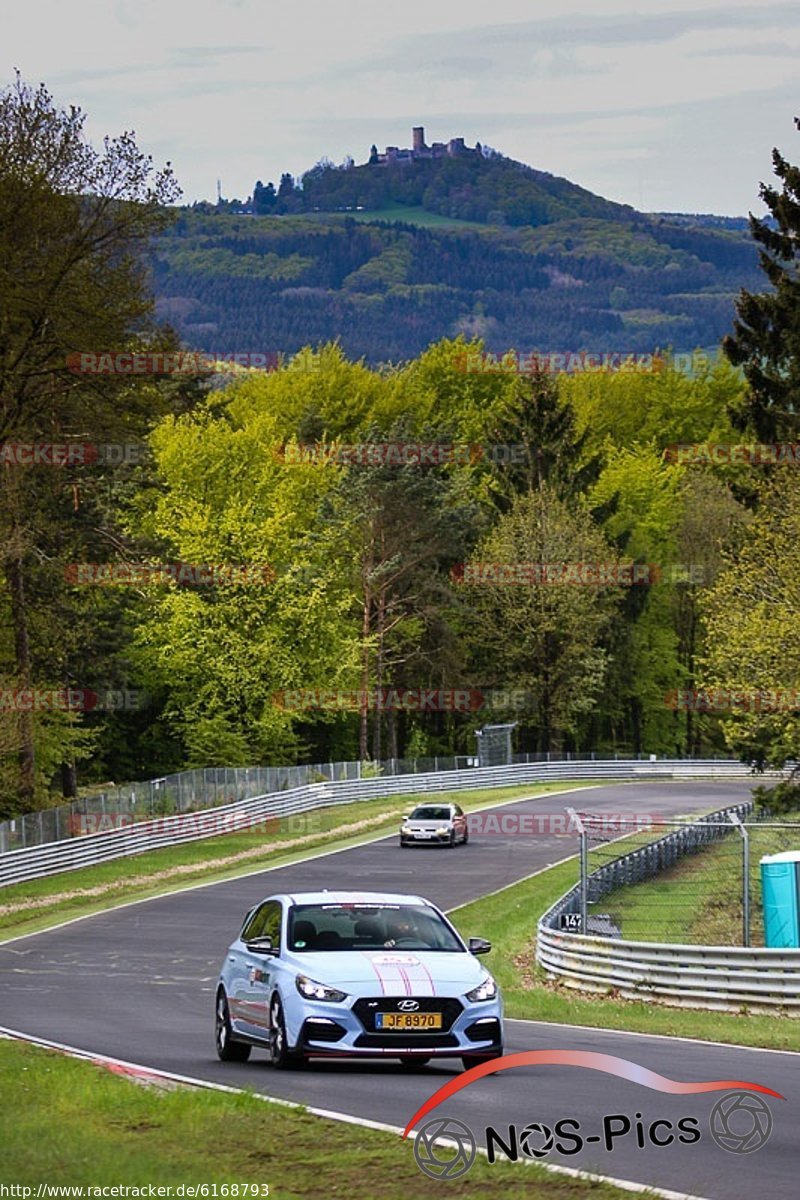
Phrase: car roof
{"type": "Point", "coordinates": [349, 898]}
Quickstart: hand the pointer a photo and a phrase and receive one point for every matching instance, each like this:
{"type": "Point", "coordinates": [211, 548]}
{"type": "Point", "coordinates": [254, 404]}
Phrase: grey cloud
{"type": "Point", "coordinates": [204, 55]}
{"type": "Point", "coordinates": [751, 49]}
{"type": "Point", "coordinates": [512, 44]}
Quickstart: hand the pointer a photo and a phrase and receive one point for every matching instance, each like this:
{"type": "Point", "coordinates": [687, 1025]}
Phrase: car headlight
{"type": "Point", "coordinates": [484, 991]}
{"type": "Point", "coordinates": [317, 991]}
{"type": "Point", "coordinates": [443, 832]}
{"type": "Point", "coordinates": [407, 828]}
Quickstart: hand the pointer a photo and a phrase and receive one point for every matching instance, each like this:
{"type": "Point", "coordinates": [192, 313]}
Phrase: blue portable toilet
{"type": "Point", "coordinates": [780, 888]}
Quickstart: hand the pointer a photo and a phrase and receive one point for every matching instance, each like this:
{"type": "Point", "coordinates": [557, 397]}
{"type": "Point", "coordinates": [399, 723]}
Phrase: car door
{"type": "Point", "coordinates": [254, 978]}
{"type": "Point", "coordinates": [233, 969]}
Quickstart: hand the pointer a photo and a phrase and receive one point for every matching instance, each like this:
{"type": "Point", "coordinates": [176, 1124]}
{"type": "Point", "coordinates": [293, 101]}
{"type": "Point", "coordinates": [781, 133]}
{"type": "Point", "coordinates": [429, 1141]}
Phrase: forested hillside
{"type": "Point", "coordinates": [386, 290]}
{"type": "Point", "coordinates": [485, 187]}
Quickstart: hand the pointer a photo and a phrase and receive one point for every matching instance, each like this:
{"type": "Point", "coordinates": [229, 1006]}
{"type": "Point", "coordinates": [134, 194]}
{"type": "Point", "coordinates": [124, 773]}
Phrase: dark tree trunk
{"type": "Point", "coordinates": [391, 733]}
{"type": "Point", "coordinates": [377, 728]}
{"type": "Point", "coordinates": [19, 620]}
{"type": "Point", "coordinates": [69, 781]}
{"type": "Point", "coordinates": [363, 723]}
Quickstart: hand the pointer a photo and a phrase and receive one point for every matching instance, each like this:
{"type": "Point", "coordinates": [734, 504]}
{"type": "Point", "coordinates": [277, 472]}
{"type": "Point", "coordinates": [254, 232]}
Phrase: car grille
{"type": "Point", "coordinates": [405, 1041]}
{"type": "Point", "coordinates": [366, 1007]}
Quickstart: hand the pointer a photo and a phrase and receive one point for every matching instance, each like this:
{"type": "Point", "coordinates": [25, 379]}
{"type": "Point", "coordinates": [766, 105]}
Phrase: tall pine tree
{"type": "Point", "coordinates": [766, 341]}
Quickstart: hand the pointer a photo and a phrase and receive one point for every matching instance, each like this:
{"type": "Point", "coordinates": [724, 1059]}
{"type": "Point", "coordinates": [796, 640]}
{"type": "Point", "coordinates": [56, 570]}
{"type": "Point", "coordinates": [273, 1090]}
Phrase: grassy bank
{"type": "Point", "coordinates": [700, 899]}
{"type": "Point", "coordinates": [509, 920]}
{"type": "Point", "coordinates": [27, 907]}
{"type": "Point", "coordinates": [71, 1122]}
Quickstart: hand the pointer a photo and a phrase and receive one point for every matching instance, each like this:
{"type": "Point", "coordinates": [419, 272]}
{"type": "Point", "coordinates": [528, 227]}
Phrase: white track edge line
{"type": "Point", "coordinates": [627, 1185]}
{"type": "Point", "coordinates": [664, 1037]}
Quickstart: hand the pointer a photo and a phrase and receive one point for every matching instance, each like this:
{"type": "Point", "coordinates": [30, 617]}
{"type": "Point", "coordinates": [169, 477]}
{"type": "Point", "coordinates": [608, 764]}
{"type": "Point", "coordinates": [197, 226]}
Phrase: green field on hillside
{"type": "Point", "coordinates": [413, 214]}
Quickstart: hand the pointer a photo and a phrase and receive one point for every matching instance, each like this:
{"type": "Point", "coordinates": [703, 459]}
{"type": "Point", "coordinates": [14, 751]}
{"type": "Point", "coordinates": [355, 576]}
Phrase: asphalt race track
{"type": "Point", "coordinates": [138, 984]}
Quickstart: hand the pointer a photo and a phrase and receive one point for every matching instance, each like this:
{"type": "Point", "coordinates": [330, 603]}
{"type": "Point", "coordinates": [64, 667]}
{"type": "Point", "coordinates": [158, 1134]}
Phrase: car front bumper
{"type": "Point", "coordinates": [440, 838]}
{"type": "Point", "coordinates": [336, 1029]}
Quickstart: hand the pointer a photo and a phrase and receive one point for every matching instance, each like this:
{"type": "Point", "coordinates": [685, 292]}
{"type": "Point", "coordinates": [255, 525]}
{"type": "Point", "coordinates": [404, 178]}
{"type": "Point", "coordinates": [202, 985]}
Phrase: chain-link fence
{"type": "Point", "coordinates": [494, 745]}
{"type": "Point", "coordinates": [690, 881]}
{"type": "Point", "coordinates": [210, 787]}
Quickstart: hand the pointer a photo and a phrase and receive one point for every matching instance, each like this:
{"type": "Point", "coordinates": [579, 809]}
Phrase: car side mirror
{"type": "Point", "coordinates": [406, 817]}
{"type": "Point", "coordinates": [478, 945]}
{"type": "Point", "coordinates": [261, 945]}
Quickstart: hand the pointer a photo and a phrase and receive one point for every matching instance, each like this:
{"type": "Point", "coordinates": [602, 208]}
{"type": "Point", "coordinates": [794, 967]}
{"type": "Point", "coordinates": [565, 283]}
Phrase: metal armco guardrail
{"type": "Point", "coordinates": [715, 977]}
{"type": "Point", "coordinates": [726, 978]}
{"type": "Point", "coordinates": [34, 862]}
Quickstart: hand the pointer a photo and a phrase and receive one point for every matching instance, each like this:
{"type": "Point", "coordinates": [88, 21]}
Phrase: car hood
{"type": "Point", "coordinates": [433, 823]}
{"type": "Point", "coordinates": [394, 972]}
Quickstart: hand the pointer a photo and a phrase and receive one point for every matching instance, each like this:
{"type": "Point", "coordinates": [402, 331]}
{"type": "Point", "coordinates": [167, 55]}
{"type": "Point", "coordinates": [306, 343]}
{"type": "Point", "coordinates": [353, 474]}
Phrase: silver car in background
{"type": "Point", "coordinates": [435, 825]}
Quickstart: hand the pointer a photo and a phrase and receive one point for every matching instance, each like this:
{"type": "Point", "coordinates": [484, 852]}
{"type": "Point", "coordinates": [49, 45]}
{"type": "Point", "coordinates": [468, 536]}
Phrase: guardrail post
{"type": "Point", "coordinates": [745, 832]}
{"type": "Point", "coordinates": [584, 858]}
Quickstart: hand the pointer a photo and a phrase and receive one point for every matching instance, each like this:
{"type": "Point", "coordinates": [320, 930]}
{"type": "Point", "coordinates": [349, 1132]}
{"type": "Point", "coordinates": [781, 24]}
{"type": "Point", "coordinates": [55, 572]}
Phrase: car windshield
{"type": "Point", "coordinates": [430, 812]}
{"type": "Point", "coordinates": [360, 926]}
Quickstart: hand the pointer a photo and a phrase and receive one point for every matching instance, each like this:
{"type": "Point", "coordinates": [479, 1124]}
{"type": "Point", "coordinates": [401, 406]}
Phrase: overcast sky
{"type": "Point", "coordinates": [675, 109]}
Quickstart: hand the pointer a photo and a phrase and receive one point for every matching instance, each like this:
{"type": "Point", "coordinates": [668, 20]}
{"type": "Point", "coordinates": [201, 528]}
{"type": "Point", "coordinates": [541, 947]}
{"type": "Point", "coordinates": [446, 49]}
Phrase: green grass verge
{"type": "Point", "coordinates": [509, 918]}
{"type": "Point", "coordinates": [70, 1122]}
{"type": "Point", "coordinates": [28, 907]}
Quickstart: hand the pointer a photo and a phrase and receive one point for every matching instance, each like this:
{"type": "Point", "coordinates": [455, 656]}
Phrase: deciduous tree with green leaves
{"type": "Point", "coordinates": [74, 223]}
{"type": "Point", "coordinates": [753, 620]}
{"type": "Point", "coordinates": [543, 640]}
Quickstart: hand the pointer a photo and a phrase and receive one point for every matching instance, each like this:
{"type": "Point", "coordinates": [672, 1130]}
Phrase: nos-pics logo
{"type": "Point", "coordinates": [445, 1148]}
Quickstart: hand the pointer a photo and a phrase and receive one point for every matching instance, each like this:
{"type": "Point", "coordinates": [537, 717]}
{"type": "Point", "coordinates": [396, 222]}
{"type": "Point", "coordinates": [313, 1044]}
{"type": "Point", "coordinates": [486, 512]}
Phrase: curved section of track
{"type": "Point", "coordinates": [137, 983]}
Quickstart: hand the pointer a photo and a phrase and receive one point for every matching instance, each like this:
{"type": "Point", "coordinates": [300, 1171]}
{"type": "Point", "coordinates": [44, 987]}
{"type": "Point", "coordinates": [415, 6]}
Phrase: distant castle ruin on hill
{"type": "Point", "coordinates": [393, 154]}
